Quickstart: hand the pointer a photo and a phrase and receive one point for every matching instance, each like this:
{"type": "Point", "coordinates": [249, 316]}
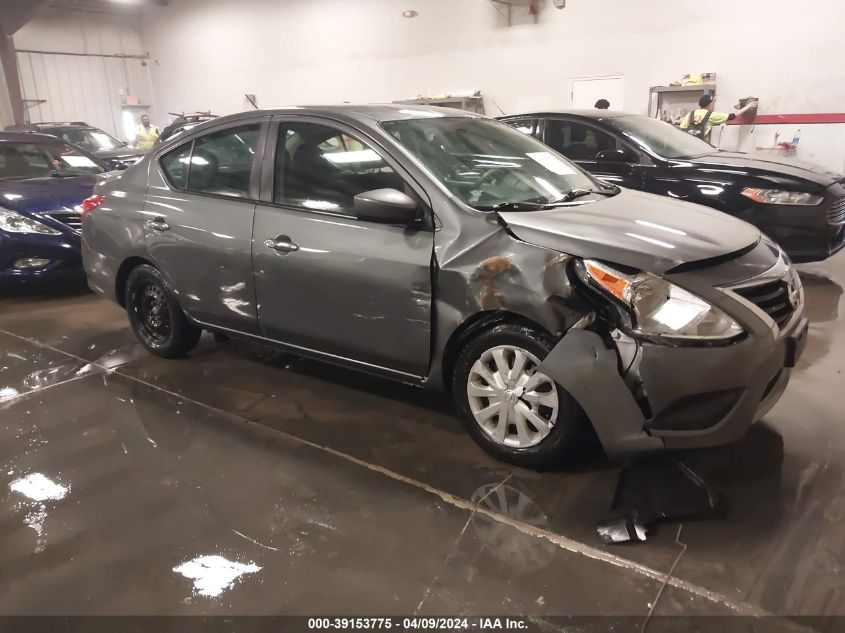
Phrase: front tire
{"type": "Point", "coordinates": [155, 315]}
{"type": "Point", "coordinates": [514, 412]}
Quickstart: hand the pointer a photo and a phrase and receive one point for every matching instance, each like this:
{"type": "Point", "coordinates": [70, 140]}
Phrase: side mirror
{"type": "Point", "coordinates": [386, 206]}
{"type": "Point", "coordinates": [616, 156]}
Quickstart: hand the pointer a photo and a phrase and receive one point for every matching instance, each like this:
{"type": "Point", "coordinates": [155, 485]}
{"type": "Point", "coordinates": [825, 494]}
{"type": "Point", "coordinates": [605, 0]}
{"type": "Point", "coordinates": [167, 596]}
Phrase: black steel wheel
{"type": "Point", "coordinates": [155, 316]}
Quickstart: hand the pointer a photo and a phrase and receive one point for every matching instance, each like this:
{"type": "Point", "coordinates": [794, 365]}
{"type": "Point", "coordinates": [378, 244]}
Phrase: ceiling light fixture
{"type": "Point", "coordinates": [410, 13]}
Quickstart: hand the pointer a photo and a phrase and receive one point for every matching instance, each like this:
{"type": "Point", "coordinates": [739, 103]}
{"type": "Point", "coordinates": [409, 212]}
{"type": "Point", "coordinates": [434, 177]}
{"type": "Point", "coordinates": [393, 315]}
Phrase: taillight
{"type": "Point", "coordinates": [89, 204]}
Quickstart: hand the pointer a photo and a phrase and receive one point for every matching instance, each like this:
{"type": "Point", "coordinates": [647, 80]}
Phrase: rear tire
{"type": "Point", "coordinates": [513, 411]}
{"type": "Point", "coordinates": [155, 315]}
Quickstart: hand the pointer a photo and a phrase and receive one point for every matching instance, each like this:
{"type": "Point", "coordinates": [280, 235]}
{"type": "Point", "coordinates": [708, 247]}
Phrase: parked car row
{"type": "Point", "coordinates": [113, 153]}
{"type": "Point", "coordinates": [453, 252]}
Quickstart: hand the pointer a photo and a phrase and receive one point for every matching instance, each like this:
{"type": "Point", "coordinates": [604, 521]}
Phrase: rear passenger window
{"type": "Point", "coordinates": [175, 163]}
{"type": "Point", "coordinates": [221, 163]}
{"type": "Point", "coordinates": [526, 126]}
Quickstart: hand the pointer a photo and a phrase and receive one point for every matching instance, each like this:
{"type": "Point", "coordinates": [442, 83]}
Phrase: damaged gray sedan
{"type": "Point", "coordinates": [453, 252]}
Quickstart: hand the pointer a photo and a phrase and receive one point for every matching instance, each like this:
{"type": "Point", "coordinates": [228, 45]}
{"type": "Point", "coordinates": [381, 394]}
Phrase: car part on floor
{"type": "Point", "coordinates": [652, 489]}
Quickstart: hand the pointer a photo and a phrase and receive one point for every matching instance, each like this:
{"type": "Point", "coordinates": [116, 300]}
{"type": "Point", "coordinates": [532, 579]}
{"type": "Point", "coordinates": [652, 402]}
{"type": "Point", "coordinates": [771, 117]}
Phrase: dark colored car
{"type": "Point", "coordinates": [447, 250]}
{"type": "Point", "coordinates": [800, 206]}
{"type": "Point", "coordinates": [182, 124]}
{"type": "Point", "coordinates": [43, 183]}
{"type": "Point", "coordinates": [113, 153]}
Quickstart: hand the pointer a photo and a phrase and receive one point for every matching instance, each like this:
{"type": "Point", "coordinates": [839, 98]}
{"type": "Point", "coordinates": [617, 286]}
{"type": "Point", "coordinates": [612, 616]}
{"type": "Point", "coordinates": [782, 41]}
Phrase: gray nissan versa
{"type": "Point", "coordinates": [448, 250]}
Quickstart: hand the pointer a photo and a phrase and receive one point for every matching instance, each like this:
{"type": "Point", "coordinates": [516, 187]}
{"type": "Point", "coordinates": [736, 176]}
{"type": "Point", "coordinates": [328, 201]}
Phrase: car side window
{"type": "Point", "coordinates": [577, 141]}
{"type": "Point", "coordinates": [321, 168]}
{"type": "Point", "coordinates": [526, 126]}
{"type": "Point", "coordinates": [175, 164]}
{"type": "Point", "coordinates": [221, 162]}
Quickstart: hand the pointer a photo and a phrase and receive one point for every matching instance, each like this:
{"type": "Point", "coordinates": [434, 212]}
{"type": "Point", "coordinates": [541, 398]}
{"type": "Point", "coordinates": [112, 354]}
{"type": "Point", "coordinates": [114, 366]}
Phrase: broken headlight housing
{"type": "Point", "coordinates": [656, 308]}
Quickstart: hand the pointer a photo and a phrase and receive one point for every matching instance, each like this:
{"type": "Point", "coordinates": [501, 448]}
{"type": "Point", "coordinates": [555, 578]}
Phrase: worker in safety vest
{"type": "Point", "coordinates": [146, 134]}
{"type": "Point", "coordinates": [700, 122]}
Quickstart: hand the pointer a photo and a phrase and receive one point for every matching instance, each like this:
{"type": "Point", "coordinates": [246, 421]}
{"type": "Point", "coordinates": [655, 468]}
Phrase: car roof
{"type": "Point", "coordinates": [378, 112]}
{"type": "Point", "coordinates": [65, 126]}
{"type": "Point", "coordinates": [591, 113]}
{"type": "Point", "coordinates": [27, 137]}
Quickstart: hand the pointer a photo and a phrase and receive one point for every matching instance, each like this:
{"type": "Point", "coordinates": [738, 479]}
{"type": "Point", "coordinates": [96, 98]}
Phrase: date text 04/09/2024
{"type": "Point", "coordinates": [419, 623]}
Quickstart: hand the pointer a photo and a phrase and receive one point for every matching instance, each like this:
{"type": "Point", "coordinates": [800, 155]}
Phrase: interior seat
{"type": "Point", "coordinates": [309, 172]}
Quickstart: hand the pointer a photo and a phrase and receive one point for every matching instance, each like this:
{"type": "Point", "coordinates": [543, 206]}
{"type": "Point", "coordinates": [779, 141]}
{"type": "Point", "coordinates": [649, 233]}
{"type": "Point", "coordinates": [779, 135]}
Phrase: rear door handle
{"type": "Point", "coordinates": [282, 244]}
{"type": "Point", "coordinates": [157, 224]}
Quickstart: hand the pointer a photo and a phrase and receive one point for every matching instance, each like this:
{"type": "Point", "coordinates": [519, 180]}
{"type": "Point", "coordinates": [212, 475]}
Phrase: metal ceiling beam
{"type": "Point", "coordinates": [14, 14]}
{"type": "Point", "coordinates": [9, 63]}
{"type": "Point", "coordinates": [106, 6]}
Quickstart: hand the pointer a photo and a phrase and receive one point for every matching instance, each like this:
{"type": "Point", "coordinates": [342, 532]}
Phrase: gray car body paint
{"type": "Point", "coordinates": [483, 267]}
{"type": "Point", "coordinates": [588, 370]}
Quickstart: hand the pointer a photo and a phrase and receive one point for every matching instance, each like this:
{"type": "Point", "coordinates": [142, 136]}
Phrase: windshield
{"type": "Point", "coordinates": [664, 139]}
{"type": "Point", "coordinates": [91, 139]}
{"type": "Point", "coordinates": [37, 160]}
{"type": "Point", "coordinates": [488, 164]}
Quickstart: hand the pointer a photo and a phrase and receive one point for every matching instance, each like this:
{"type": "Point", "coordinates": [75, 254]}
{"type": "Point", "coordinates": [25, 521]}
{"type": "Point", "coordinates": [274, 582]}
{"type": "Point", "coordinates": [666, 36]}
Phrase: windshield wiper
{"type": "Point", "coordinates": [63, 173]}
{"type": "Point", "coordinates": [536, 205]}
{"type": "Point", "coordinates": [524, 205]}
{"type": "Point", "coordinates": [574, 194]}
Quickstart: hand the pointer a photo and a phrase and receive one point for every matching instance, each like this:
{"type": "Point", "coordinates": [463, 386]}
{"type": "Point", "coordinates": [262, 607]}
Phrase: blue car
{"type": "Point", "coordinates": [43, 183]}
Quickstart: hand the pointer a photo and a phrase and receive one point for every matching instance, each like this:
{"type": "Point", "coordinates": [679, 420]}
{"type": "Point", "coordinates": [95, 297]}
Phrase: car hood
{"type": "Point", "coordinates": [771, 166]}
{"type": "Point", "coordinates": [640, 230]}
{"type": "Point", "coordinates": [37, 195]}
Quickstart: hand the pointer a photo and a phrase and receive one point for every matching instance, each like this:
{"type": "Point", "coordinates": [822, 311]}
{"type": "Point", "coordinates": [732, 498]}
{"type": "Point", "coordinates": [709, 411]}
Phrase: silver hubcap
{"type": "Point", "coordinates": [514, 403]}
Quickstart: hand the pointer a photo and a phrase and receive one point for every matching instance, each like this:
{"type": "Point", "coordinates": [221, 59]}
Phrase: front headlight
{"type": "Point", "coordinates": [12, 222]}
{"type": "Point", "coordinates": [778, 196]}
{"type": "Point", "coordinates": [660, 308]}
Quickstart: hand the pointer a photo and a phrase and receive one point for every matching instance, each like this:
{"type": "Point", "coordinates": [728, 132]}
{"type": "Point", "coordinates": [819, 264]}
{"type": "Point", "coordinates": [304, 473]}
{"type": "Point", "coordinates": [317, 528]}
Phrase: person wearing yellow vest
{"type": "Point", "coordinates": [700, 122]}
{"type": "Point", "coordinates": [146, 134]}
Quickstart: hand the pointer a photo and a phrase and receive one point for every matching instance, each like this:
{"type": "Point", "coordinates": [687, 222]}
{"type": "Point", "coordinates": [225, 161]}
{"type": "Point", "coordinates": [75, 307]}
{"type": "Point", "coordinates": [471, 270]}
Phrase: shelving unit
{"type": "Point", "coordinates": [673, 101]}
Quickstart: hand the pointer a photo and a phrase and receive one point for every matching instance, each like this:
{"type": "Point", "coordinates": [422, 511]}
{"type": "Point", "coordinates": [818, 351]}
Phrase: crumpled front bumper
{"type": "Point", "coordinates": [710, 396]}
{"type": "Point", "coordinates": [688, 397]}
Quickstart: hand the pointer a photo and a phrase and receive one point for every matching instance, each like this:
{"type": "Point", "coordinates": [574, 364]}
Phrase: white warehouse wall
{"type": "Point", "coordinates": [80, 32]}
{"type": "Point", "coordinates": [207, 53]}
{"type": "Point", "coordinates": [90, 83]}
{"type": "Point", "coordinates": [317, 50]}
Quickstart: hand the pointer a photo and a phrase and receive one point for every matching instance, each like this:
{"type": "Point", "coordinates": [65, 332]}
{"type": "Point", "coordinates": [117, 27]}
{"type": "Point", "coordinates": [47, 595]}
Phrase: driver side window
{"type": "Point", "coordinates": [322, 168]}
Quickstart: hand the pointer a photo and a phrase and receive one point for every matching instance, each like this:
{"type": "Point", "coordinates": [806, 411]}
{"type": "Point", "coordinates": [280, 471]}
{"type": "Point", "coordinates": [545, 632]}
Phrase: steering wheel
{"type": "Point", "coordinates": [487, 175]}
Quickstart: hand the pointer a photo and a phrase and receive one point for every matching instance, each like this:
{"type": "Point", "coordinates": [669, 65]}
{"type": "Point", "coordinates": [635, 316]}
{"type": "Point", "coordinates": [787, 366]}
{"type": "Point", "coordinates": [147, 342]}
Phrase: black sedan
{"type": "Point", "coordinates": [800, 206]}
{"type": "Point", "coordinates": [113, 153]}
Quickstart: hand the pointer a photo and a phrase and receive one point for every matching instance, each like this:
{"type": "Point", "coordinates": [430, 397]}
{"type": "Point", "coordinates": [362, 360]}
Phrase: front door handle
{"type": "Point", "coordinates": [157, 224]}
{"type": "Point", "coordinates": [282, 244]}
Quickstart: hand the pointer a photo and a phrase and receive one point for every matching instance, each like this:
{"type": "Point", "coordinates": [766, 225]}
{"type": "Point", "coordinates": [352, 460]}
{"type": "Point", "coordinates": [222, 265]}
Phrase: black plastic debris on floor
{"type": "Point", "coordinates": [654, 489]}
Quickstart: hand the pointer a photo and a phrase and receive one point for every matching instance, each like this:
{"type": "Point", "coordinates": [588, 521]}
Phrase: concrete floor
{"type": "Point", "coordinates": [312, 490]}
